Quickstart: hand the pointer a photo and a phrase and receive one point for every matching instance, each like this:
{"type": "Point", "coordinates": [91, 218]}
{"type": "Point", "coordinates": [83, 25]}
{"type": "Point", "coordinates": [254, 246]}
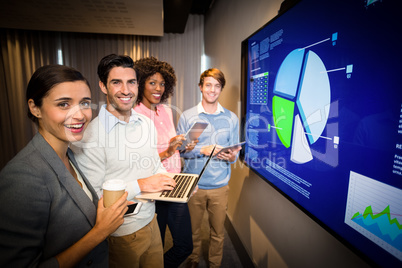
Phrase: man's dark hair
{"type": "Point", "coordinates": [109, 62]}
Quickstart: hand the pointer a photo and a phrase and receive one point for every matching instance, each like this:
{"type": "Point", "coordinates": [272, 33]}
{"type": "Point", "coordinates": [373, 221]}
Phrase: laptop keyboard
{"type": "Point", "coordinates": [182, 182]}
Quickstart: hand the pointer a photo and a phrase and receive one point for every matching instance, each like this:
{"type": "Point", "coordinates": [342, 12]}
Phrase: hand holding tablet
{"type": "Point", "coordinates": [225, 152]}
{"type": "Point", "coordinates": [192, 135]}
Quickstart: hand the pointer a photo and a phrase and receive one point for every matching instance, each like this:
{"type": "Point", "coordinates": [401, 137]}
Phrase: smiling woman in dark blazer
{"type": "Point", "coordinates": [51, 216]}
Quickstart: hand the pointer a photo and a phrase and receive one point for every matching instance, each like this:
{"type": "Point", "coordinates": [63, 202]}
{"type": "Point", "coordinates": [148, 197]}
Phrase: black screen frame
{"type": "Point", "coordinates": [244, 68]}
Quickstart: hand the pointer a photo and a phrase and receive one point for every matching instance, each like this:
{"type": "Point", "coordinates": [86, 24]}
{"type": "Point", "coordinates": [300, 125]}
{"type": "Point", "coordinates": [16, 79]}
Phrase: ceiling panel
{"type": "Point", "coordinates": [134, 17]}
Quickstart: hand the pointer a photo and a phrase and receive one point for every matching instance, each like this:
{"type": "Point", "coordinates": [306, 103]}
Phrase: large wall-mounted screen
{"type": "Point", "coordinates": [322, 117]}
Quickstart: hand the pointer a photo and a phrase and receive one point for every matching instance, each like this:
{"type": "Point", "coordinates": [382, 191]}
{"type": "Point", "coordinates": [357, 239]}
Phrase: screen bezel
{"type": "Point", "coordinates": [243, 88]}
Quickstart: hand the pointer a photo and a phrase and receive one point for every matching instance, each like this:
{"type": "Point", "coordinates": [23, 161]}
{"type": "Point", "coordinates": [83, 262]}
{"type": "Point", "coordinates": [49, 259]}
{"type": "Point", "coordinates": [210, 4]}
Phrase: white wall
{"type": "Point", "coordinates": [274, 231]}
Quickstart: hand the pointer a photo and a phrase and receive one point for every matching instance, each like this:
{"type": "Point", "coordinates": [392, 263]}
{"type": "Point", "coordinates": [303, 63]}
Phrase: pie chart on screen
{"type": "Point", "coordinates": [301, 102]}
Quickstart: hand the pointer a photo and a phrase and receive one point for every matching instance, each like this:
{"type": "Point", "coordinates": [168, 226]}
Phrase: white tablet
{"type": "Point", "coordinates": [193, 133]}
{"type": "Point", "coordinates": [230, 147]}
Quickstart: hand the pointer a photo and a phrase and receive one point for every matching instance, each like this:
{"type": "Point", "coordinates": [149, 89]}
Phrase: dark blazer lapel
{"type": "Point", "coordinates": [67, 180]}
{"type": "Point", "coordinates": [90, 188]}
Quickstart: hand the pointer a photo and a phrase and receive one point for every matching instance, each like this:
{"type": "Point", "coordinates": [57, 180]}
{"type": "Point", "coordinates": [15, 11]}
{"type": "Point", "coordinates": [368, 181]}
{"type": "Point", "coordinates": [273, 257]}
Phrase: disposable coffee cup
{"type": "Point", "coordinates": [112, 191]}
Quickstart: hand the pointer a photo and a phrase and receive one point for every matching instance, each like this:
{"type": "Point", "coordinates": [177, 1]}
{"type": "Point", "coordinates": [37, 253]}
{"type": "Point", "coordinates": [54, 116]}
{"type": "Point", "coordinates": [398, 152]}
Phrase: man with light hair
{"type": "Point", "coordinates": [212, 196]}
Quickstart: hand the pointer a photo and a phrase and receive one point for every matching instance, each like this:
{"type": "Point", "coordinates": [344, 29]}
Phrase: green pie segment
{"type": "Point", "coordinates": [283, 113]}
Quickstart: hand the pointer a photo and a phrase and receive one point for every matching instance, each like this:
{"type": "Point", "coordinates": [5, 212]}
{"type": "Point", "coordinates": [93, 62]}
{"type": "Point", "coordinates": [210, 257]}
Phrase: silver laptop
{"type": "Point", "coordinates": [185, 185]}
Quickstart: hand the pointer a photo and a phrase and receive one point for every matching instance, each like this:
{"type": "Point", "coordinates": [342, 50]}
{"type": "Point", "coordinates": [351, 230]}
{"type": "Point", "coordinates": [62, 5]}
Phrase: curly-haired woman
{"type": "Point", "coordinates": [157, 80]}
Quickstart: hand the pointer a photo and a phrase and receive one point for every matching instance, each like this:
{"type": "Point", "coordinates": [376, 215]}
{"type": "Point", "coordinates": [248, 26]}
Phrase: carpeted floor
{"type": "Point", "coordinates": [230, 258]}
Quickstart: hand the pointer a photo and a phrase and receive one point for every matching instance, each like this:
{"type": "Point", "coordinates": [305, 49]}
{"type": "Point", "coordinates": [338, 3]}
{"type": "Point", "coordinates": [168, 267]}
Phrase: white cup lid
{"type": "Point", "coordinates": [114, 185]}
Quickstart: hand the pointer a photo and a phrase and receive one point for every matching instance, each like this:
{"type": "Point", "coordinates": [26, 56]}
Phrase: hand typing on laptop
{"type": "Point", "coordinates": [156, 183]}
{"type": "Point", "coordinates": [185, 187]}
